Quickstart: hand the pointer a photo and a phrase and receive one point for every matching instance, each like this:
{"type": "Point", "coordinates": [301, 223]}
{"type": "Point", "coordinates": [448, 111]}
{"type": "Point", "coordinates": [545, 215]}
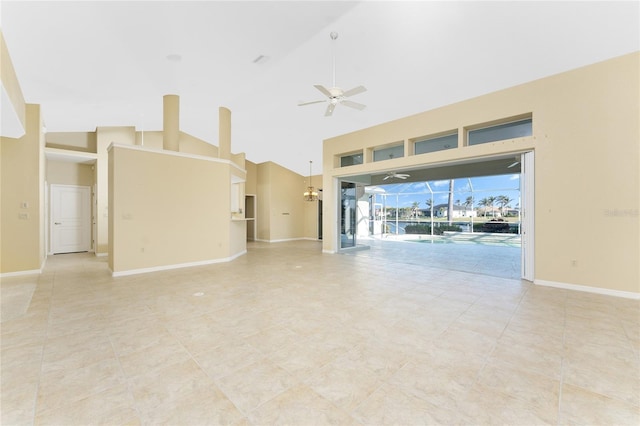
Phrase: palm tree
{"type": "Point", "coordinates": [429, 204]}
{"type": "Point", "coordinates": [490, 202]}
{"type": "Point", "coordinates": [450, 206]}
{"type": "Point", "coordinates": [503, 201]}
{"type": "Point", "coordinates": [468, 203]}
{"type": "Point", "coordinates": [415, 208]}
{"type": "Point", "coordinates": [484, 203]}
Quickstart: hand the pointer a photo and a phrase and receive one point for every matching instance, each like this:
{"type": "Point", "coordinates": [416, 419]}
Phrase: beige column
{"type": "Point", "coordinates": [171, 122]}
{"type": "Point", "coordinates": [224, 133]}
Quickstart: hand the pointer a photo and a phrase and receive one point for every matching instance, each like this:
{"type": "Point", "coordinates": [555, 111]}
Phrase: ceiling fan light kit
{"type": "Point", "coordinates": [335, 95]}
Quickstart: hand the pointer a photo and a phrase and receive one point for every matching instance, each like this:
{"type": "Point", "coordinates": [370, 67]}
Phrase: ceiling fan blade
{"type": "Point", "coordinates": [330, 109]}
{"type": "Point", "coordinates": [352, 104]}
{"type": "Point", "coordinates": [386, 177]}
{"type": "Point", "coordinates": [354, 91]}
{"type": "Point", "coordinates": [323, 89]}
{"type": "Point", "coordinates": [312, 102]}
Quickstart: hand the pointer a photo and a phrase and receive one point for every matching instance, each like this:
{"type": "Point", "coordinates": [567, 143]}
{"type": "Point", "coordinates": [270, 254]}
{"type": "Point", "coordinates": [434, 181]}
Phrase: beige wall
{"type": "Point", "coordinates": [105, 136]}
{"type": "Point", "coordinates": [193, 145]}
{"type": "Point", "coordinates": [282, 211]}
{"type": "Point", "coordinates": [161, 219]}
{"type": "Point", "coordinates": [22, 235]}
{"type": "Point", "coordinates": [67, 173]}
{"type": "Point", "coordinates": [149, 139]}
{"type": "Point", "coordinates": [9, 81]}
{"type": "Point", "coordinates": [252, 177]}
{"type": "Point", "coordinates": [75, 141]}
{"type": "Point", "coordinates": [586, 135]}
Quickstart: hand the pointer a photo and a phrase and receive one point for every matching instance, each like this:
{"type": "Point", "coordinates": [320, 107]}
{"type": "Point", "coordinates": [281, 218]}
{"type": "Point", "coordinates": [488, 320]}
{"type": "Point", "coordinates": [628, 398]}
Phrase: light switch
{"type": "Point", "coordinates": [24, 205]}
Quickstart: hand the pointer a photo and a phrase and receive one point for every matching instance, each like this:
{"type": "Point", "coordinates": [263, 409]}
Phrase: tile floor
{"type": "Point", "coordinates": [287, 335]}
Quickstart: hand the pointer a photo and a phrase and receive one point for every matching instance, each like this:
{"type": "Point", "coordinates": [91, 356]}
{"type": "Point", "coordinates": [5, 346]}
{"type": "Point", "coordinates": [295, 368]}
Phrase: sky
{"type": "Point", "coordinates": [408, 193]}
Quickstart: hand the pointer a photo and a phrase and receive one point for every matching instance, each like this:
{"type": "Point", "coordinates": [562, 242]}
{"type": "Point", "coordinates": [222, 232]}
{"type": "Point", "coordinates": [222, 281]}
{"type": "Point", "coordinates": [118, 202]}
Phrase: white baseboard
{"type": "Point", "coordinates": [20, 273]}
{"type": "Point", "coordinates": [279, 241]}
{"type": "Point", "coordinates": [597, 290]}
{"type": "Point", "coordinates": [102, 254]}
{"type": "Point", "coordinates": [176, 266]}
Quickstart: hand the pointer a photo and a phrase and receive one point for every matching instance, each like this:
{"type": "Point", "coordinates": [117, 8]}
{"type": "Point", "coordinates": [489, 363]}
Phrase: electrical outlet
{"type": "Point", "coordinates": [23, 216]}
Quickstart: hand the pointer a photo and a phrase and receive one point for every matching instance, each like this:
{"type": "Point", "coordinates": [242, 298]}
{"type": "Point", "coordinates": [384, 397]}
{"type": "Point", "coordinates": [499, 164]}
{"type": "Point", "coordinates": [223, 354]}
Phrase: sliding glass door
{"type": "Point", "coordinates": [348, 210]}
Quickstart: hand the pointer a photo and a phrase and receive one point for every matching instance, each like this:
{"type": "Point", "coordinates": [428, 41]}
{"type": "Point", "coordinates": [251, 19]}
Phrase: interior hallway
{"type": "Point", "coordinates": [287, 335]}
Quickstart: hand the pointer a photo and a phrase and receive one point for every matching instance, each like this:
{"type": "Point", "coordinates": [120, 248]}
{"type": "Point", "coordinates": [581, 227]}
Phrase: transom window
{"type": "Point", "coordinates": [388, 153]}
{"type": "Point", "coordinates": [439, 143]}
{"type": "Point", "coordinates": [514, 129]}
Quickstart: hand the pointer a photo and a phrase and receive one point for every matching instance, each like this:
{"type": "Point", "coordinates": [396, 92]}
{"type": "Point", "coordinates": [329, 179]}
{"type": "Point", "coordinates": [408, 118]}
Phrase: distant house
{"type": "Point", "coordinates": [441, 210]}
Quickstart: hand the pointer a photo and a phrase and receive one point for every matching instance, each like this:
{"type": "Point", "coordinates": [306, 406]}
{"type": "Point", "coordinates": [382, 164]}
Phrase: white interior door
{"type": "Point", "coordinates": [70, 218]}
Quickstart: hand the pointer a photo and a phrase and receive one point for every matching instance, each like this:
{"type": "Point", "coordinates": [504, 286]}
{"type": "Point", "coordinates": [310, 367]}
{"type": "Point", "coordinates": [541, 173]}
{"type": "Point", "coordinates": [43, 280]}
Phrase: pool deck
{"type": "Point", "coordinates": [496, 255]}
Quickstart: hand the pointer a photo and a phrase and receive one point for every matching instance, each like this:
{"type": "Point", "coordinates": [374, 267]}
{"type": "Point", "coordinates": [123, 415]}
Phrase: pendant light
{"type": "Point", "coordinates": [310, 194]}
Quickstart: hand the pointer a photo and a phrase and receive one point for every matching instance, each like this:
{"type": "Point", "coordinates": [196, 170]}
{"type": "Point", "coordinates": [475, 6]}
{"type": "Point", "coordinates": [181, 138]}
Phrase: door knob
{"type": "Point", "coordinates": [57, 223]}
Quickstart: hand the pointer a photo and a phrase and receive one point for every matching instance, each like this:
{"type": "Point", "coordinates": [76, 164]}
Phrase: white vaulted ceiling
{"type": "Point", "coordinates": [109, 63]}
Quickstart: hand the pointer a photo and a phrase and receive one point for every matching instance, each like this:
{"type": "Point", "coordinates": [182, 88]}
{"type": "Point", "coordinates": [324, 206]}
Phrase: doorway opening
{"type": "Point", "coordinates": [474, 217]}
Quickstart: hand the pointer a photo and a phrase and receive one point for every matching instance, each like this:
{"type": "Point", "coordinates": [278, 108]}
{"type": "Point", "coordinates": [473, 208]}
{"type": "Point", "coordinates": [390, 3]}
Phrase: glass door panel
{"type": "Point", "coordinates": [348, 209]}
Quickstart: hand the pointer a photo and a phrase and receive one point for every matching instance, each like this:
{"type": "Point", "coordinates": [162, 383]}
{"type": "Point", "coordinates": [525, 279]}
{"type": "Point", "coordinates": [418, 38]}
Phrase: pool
{"type": "Point", "coordinates": [484, 240]}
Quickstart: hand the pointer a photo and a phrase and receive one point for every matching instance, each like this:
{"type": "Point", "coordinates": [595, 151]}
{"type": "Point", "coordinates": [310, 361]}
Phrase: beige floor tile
{"type": "Point", "coordinates": [531, 358]}
{"type": "Point", "coordinates": [158, 387]}
{"type": "Point", "coordinates": [539, 391]}
{"type": "Point", "coordinates": [301, 359]}
{"type": "Point", "coordinates": [18, 401]}
{"type": "Point", "coordinates": [284, 335]}
{"type": "Point", "coordinates": [207, 406]}
{"type": "Point", "coordinates": [112, 407]}
{"type": "Point", "coordinates": [439, 382]}
{"type": "Point", "coordinates": [344, 384]}
{"type": "Point", "coordinates": [390, 405]}
{"type": "Point", "coordinates": [165, 352]}
{"type": "Point", "coordinates": [225, 359]}
{"type": "Point", "coordinates": [20, 363]}
{"type": "Point", "coordinates": [75, 351]}
{"type": "Point", "coordinates": [255, 384]}
{"type": "Point", "coordinates": [300, 406]}
{"type": "Point", "coordinates": [579, 407]}
{"type": "Point", "coordinates": [62, 387]}
{"type": "Point", "coordinates": [481, 406]}
{"type": "Point", "coordinates": [272, 338]}
{"type": "Point", "coordinates": [612, 376]}
{"type": "Point", "coordinates": [462, 339]}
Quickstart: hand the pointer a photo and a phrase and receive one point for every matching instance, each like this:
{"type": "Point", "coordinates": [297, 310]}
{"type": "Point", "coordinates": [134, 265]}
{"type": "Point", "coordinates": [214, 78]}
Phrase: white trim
{"type": "Point", "coordinates": [20, 273]}
{"type": "Point", "coordinates": [588, 289]}
{"type": "Point", "coordinates": [176, 266]}
{"type": "Point", "coordinates": [102, 254]}
{"type": "Point", "coordinates": [175, 154]}
{"type": "Point", "coordinates": [284, 240]}
{"type": "Point", "coordinates": [527, 219]}
{"type": "Point", "coordinates": [329, 251]}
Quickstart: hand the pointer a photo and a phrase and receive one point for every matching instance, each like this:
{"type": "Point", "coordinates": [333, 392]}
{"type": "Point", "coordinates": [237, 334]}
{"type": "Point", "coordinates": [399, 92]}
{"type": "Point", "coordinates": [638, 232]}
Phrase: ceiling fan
{"type": "Point", "coordinates": [336, 95]}
{"type": "Point", "coordinates": [392, 175]}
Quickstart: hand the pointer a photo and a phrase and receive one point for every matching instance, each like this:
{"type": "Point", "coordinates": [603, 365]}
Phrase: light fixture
{"type": "Point", "coordinates": [310, 194]}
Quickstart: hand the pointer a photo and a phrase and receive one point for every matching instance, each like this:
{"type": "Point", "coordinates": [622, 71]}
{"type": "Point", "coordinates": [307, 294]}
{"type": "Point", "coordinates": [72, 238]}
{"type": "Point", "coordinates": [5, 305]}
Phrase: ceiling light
{"type": "Point", "coordinates": [310, 194]}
